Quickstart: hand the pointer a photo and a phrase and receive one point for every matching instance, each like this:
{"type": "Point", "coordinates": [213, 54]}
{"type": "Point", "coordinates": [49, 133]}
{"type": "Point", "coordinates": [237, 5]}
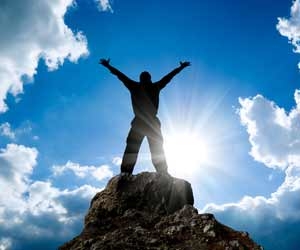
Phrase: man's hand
{"type": "Point", "coordinates": [185, 64]}
{"type": "Point", "coordinates": [104, 62]}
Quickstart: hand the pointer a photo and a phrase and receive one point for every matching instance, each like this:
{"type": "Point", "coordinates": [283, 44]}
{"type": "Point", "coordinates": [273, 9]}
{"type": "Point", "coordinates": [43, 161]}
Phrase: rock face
{"type": "Point", "coordinates": [150, 211]}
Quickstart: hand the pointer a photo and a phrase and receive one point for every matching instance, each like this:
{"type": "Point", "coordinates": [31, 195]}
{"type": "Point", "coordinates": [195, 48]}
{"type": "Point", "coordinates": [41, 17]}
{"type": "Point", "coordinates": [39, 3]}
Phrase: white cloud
{"type": "Point", "coordinates": [5, 243]}
{"type": "Point", "coordinates": [36, 211]}
{"type": "Point", "coordinates": [42, 198]}
{"type": "Point", "coordinates": [104, 5]}
{"type": "Point", "coordinates": [274, 135]}
{"type": "Point", "coordinates": [50, 216]}
{"type": "Point", "coordinates": [16, 164]}
{"type": "Point", "coordinates": [267, 217]}
{"type": "Point", "coordinates": [117, 161]}
{"type": "Point", "coordinates": [5, 130]}
{"type": "Point", "coordinates": [283, 204]}
{"type": "Point", "coordinates": [98, 173]}
{"type": "Point", "coordinates": [24, 129]}
{"type": "Point", "coordinates": [33, 30]}
{"type": "Point", "coordinates": [290, 28]}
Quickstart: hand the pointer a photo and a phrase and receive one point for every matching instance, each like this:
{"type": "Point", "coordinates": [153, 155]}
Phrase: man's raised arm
{"type": "Point", "coordinates": [167, 78]}
{"type": "Point", "coordinates": [126, 80]}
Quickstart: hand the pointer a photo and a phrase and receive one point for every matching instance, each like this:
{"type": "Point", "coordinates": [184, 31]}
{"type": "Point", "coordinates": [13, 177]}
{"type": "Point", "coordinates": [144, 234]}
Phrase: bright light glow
{"type": "Point", "coordinates": [185, 153]}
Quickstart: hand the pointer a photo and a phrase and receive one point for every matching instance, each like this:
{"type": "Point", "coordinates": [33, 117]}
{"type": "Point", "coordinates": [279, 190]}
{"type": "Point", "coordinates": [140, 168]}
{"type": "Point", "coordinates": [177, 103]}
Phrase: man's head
{"type": "Point", "coordinates": [145, 77]}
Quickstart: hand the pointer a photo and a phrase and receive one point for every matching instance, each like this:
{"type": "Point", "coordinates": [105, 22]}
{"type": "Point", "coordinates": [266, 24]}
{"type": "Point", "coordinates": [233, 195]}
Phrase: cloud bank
{"type": "Point", "coordinates": [274, 135]}
{"type": "Point", "coordinates": [36, 213]}
{"type": "Point", "coordinates": [33, 30]}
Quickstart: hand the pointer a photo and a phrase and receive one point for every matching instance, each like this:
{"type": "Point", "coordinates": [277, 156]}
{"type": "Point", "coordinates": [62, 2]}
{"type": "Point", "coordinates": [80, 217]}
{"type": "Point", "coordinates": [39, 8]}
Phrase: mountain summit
{"type": "Point", "coordinates": [150, 211]}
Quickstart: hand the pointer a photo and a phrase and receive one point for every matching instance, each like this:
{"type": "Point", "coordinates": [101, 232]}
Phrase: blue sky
{"type": "Point", "coordinates": [64, 118]}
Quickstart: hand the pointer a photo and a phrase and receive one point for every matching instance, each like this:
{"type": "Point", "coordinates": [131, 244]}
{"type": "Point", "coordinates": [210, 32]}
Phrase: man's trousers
{"type": "Point", "coordinates": [151, 128]}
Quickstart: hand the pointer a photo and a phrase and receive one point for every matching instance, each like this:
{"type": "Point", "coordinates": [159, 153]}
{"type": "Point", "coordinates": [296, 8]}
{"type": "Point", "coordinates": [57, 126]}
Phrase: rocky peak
{"type": "Point", "coordinates": [152, 211]}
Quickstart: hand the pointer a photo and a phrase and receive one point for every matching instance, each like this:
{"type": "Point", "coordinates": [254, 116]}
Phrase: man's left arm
{"type": "Point", "coordinates": [167, 78]}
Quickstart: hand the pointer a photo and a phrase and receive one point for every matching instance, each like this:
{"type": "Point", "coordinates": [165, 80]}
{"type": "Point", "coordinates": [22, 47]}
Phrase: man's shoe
{"type": "Point", "coordinates": [164, 172]}
{"type": "Point", "coordinates": [125, 174]}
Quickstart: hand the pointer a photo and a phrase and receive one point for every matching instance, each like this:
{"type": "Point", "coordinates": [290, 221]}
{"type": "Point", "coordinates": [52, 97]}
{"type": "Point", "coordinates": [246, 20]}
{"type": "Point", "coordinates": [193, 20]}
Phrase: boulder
{"type": "Point", "coordinates": [150, 211]}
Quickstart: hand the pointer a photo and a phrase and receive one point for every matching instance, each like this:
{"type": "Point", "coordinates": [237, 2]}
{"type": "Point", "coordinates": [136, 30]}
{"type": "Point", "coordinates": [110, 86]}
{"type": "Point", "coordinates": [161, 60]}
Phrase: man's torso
{"type": "Point", "coordinates": [145, 100]}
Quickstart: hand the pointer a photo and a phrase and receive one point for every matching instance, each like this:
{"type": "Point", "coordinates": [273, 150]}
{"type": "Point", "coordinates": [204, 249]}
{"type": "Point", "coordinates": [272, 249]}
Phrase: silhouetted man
{"type": "Point", "coordinates": [145, 100]}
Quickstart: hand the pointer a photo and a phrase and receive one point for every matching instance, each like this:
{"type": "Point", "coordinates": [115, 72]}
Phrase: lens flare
{"type": "Point", "coordinates": [185, 153]}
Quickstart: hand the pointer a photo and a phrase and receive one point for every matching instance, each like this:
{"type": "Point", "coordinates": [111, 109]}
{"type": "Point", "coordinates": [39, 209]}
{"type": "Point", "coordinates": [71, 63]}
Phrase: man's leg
{"type": "Point", "coordinates": [155, 141]}
{"type": "Point", "coordinates": [134, 141]}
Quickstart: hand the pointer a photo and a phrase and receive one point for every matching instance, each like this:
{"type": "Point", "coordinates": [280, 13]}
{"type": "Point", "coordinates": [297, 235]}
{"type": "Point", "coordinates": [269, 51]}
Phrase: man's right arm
{"type": "Point", "coordinates": [126, 80]}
